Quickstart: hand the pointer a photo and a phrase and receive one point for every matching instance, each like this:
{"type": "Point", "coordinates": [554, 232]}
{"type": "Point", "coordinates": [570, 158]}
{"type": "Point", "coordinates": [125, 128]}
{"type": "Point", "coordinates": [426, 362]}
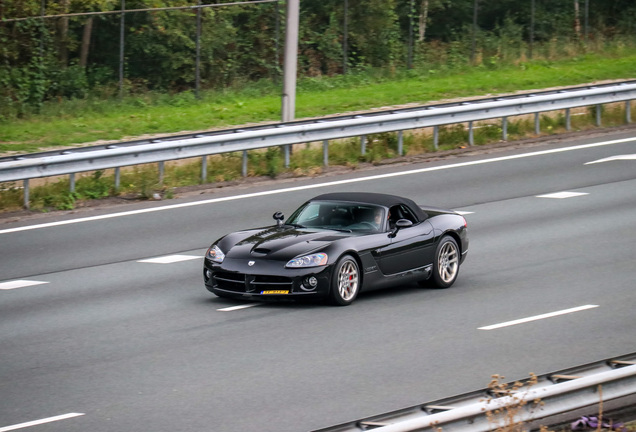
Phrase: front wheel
{"type": "Point", "coordinates": [446, 264]}
{"type": "Point", "coordinates": [345, 282]}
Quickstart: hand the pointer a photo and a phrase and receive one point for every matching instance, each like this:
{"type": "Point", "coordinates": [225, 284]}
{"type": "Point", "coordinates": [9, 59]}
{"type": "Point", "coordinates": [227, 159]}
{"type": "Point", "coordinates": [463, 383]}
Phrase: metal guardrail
{"type": "Point", "coordinates": [308, 121]}
{"type": "Point", "coordinates": [69, 162]}
{"type": "Point", "coordinates": [556, 398]}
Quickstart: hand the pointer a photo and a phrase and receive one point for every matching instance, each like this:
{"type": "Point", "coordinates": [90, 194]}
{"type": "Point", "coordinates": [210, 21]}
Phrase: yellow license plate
{"type": "Point", "coordinates": [275, 292]}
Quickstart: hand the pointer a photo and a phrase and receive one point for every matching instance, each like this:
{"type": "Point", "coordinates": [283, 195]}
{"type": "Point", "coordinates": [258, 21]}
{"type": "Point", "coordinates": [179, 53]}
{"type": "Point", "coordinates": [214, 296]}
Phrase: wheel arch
{"type": "Point", "coordinates": [455, 237]}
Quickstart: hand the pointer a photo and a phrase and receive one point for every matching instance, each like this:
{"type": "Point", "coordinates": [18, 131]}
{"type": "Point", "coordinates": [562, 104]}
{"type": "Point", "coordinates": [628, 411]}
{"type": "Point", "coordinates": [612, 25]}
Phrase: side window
{"type": "Point", "coordinates": [401, 212]}
{"type": "Point", "coordinates": [408, 214]}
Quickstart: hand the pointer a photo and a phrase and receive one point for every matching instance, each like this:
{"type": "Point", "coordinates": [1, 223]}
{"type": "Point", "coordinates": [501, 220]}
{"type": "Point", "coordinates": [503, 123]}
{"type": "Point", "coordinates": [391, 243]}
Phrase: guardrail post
{"type": "Point", "coordinates": [71, 181]}
{"type": "Point", "coordinates": [436, 137]}
{"type": "Point", "coordinates": [400, 143]}
{"type": "Point", "coordinates": [244, 164]}
{"type": "Point", "coordinates": [161, 171]}
{"type": "Point", "coordinates": [286, 151]}
{"type": "Point", "coordinates": [204, 168]}
{"type": "Point", "coordinates": [25, 188]}
{"type": "Point", "coordinates": [117, 178]}
{"type": "Point", "coordinates": [363, 145]}
{"type": "Point", "coordinates": [471, 134]}
{"type": "Point", "coordinates": [568, 120]}
{"type": "Point", "coordinates": [325, 153]}
{"type": "Point", "coordinates": [537, 124]}
{"type": "Point", "coordinates": [598, 115]}
{"type": "Point", "coordinates": [628, 112]}
{"type": "Point", "coordinates": [504, 128]}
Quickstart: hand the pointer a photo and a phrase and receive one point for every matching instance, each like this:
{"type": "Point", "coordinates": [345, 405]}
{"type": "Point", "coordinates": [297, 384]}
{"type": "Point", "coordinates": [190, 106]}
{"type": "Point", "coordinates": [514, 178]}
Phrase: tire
{"type": "Point", "coordinates": [345, 281]}
{"type": "Point", "coordinates": [446, 264]}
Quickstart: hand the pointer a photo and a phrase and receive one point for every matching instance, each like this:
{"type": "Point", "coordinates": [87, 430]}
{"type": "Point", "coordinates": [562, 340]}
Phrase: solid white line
{"type": "Point", "coordinates": [39, 422]}
{"type": "Point", "coordinates": [233, 308]}
{"type": "Point", "coordinates": [538, 317]}
{"type": "Point", "coordinates": [19, 284]}
{"type": "Point", "coordinates": [315, 186]}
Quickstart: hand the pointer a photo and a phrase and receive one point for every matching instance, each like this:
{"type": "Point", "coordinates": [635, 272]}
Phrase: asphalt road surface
{"type": "Point", "coordinates": [105, 324]}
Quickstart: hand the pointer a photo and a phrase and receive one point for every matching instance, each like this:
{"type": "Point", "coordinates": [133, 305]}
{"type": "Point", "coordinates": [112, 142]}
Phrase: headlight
{"type": "Point", "coordinates": [313, 260]}
{"type": "Point", "coordinates": [215, 254]}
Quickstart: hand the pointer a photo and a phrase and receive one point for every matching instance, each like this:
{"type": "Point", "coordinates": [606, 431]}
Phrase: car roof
{"type": "Point", "coordinates": [385, 200]}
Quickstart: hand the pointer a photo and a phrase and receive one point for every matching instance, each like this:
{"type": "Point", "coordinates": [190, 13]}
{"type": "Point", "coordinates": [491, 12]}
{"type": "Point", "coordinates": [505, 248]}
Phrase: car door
{"type": "Point", "coordinates": [411, 248]}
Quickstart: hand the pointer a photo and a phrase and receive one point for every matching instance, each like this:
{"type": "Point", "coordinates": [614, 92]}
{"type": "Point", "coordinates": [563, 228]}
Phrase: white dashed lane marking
{"type": "Point", "coordinates": [233, 308]}
{"type": "Point", "coordinates": [562, 195]}
{"type": "Point", "coordinates": [39, 422]}
{"type": "Point", "coordinates": [19, 284]}
{"type": "Point", "coordinates": [614, 158]}
{"type": "Point", "coordinates": [169, 259]}
{"type": "Point", "coordinates": [538, 317]}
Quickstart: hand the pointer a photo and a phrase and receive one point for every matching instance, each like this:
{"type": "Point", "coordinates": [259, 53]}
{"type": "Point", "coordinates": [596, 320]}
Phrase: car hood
{"type": "Point", "coordinates": [281, 243]}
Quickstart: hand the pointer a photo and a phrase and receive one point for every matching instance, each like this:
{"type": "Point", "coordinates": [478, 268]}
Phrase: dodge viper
{"type": "Point", "coordinates": [337, 245]}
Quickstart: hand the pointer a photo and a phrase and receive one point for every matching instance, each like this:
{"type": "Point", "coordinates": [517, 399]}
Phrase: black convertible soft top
{"type": "Point", "coordinates": [372, 198]}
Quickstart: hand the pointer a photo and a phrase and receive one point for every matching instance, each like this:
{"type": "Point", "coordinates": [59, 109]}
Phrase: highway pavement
{"type": "Point", "coordinates": [105, 324]}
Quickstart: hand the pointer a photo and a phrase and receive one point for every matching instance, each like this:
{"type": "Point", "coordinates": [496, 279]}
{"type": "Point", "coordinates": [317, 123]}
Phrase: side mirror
{"type": "Point", "coordinates": [279, 217]}
{"type": "Point", "coordinates": [401, 223]}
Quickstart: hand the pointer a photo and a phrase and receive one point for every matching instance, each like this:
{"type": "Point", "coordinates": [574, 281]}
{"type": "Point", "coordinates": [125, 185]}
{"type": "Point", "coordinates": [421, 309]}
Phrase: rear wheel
{"type": "Point", "coordinates": [446, 264]}
{"type": "Point", "coordinates": [345, 282]}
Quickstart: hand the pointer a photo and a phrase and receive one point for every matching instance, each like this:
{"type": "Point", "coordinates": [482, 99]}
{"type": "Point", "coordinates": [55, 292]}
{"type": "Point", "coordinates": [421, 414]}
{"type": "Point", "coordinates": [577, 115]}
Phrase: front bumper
{"type": "Point", "coordinates": [264, 280]}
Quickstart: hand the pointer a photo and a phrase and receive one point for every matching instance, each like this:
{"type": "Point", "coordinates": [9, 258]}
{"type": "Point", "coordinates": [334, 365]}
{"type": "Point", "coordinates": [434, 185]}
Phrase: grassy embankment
{"type": "Point", "coordinates": [73, 123]}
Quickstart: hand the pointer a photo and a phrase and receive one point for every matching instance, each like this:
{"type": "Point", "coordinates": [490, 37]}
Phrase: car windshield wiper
{"type": "Point", "coordinates": [295, 225]}
{"type": "Point", "coordinates": [340, 229]}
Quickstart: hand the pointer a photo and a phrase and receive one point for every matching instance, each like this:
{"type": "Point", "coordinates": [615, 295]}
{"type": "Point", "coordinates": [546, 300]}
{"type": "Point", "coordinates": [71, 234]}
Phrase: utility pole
{"type": "Point", "coordinates": [288, 103]}
{"type": "Point", "coordinates": [409, 57]}
{"type": "Point", "coordinates": [290, 61]}
{"type": "Point", "coordinates": [473, 50]}
{"type": "Point", "coordinates": [532, 12]}
{"type": "Point", "coordinates": [122, 24]}
{"type": "Point", "coordinates": [345, 38]}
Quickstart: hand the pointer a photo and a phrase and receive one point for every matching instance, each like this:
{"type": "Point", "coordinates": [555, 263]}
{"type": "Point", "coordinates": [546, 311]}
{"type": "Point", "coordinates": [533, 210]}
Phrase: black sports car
{"type": "Point", "coordinates": [337, 245]}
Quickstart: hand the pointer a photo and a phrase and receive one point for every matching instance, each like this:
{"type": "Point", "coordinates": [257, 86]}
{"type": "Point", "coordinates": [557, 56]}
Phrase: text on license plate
{"type": "Point", "coordinates": [275, 292]}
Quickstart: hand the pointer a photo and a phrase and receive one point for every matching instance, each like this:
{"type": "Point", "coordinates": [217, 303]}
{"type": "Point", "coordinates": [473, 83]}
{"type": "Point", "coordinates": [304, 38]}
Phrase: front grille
{"type": "Point", "coordinates": [240, 282]}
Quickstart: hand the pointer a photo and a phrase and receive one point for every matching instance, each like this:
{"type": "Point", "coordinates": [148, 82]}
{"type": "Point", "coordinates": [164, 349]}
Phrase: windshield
{"type": "Point", "coordinates": [340, 216]}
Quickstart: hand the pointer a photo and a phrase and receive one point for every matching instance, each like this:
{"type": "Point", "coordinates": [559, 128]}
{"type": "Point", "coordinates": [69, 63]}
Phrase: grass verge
{"type": "Point", "coordinates": [71, 123]}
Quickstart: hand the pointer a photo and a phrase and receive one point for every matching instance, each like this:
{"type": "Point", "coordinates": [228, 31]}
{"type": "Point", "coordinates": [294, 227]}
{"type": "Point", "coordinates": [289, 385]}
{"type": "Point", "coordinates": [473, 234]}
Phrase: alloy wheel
{"type": "Point", "coordinates": [348, 280]}
{"type": "Point", "coordinates": [448, 262]}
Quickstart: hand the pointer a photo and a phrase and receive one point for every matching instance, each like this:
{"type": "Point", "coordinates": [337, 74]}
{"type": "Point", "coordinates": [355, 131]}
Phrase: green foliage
{"type": "Point", "coordinates": [141, 180]}
{"type": "Point", "coordinates": [93, 187]}
{"type": "Point", "coordinates": [53, 196]}
{"type": "Point", "coordinates": [242, 44]}
{"type": "Point", "coordinates": [452, 136]}
{"type": "Point", "coordinates": [272, 162]}
{"type": "Point", "coordinates": [11, 196]}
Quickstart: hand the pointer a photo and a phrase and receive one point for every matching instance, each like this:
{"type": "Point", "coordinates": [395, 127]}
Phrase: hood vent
{"type": "Point", "coordinates": [328, 239]}
{"type": "Point", "coordinates": [261, 251]}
